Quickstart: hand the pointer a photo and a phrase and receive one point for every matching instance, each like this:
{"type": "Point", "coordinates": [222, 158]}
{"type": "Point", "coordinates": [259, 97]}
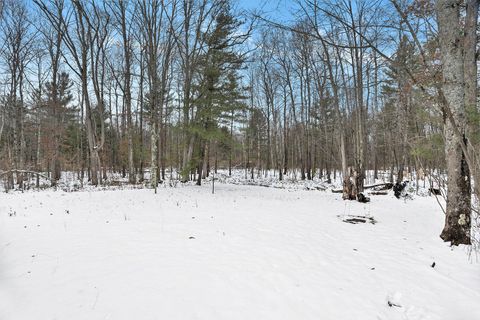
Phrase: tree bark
{"type": "Point", "coordinates": [458, 210]}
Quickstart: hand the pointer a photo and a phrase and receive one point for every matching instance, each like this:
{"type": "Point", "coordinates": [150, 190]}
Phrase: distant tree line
{"type": "Point", "coordinates": [183, 87]}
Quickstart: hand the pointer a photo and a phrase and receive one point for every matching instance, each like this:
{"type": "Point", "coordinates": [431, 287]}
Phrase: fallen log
{"type": "Point", "coordinates": [378, 193]}
{"type": "Point", "coordinates": [357, 219]}
{"type": "Point", "coordinates": [24, 171]}
{"type": "Point", "coordinates": [380, 186]}
{"type": "Point", "coordinates": [377, 187]}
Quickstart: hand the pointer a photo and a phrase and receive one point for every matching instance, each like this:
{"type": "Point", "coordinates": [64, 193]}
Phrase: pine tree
{"type": "Point", "coordinates": [57, 115]}
{"type": "Point", "coordinates": [219, 91]}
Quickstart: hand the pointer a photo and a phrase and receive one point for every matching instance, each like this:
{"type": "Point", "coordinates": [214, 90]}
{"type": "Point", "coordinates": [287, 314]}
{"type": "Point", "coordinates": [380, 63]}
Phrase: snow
{"type": "Point", "coordinates": [245, 252]}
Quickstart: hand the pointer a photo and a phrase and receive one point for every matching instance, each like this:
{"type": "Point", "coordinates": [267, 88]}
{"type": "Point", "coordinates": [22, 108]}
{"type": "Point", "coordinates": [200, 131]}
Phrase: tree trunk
{"type": "Point", "coordinates": [458, 211]}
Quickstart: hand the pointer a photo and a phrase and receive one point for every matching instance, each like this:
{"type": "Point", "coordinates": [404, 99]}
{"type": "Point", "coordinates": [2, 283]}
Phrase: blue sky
{"type": "Point", "coordinates": [278, 9]}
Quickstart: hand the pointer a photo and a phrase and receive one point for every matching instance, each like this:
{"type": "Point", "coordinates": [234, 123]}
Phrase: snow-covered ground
{"type": "Point", "coordinates": [245, 252]}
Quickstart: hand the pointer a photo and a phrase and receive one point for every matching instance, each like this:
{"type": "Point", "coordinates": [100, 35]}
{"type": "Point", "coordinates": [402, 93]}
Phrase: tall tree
{"type": "Point", "coordinates": [219, 90]}
{"type": "Point", "coordinates": [450, 33]}
{"type": "Point", "coordinates": [17, 52]}
{"type": "Point", "coordinates": [124, 21]}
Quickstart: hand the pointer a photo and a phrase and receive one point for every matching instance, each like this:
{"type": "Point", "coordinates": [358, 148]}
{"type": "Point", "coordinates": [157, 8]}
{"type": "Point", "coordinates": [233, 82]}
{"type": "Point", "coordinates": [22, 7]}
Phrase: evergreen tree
{"type": "Point", "coordinates": [58, 115]}
{"type": "Point", "coordinates": [219, 90]}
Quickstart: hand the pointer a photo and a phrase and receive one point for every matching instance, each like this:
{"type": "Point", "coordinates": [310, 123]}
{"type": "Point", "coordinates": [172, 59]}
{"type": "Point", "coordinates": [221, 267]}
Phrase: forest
{"type": "Point", "coordinates": [239, 159]}
{"type": "Point", "coordinates": [157, 89]}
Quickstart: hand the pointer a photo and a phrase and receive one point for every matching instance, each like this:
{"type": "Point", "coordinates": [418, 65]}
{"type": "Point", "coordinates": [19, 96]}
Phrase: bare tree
{"type": "Point", "coordinates": [156, 24]}
{"type": "Point", "coordinates": [17, 53]}
{"type": "Point", "coordinates": [458, 212]}
{"type": "Point", "coordinates": [80, 36]}
{"type": "Point", "coordinates": [124, 20]}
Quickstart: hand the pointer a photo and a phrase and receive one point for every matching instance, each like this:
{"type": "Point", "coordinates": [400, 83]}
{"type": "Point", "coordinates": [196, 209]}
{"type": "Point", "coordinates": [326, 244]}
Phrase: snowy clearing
{"type": "Point", "coordinates": [245, 252]}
